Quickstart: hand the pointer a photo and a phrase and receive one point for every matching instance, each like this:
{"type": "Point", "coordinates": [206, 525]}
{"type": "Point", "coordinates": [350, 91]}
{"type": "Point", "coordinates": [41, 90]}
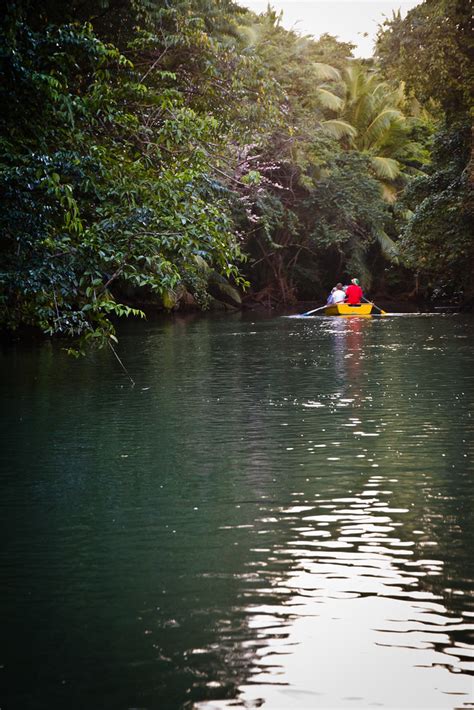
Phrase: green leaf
{"type": "Point", "coordinates": [337, 128]}
{"type": "Point", "coordinates": [329, 100]}
{"type": "Point", "coordinates": [382, 122]}
{"type": "Point", "coordinates": [386, 168]}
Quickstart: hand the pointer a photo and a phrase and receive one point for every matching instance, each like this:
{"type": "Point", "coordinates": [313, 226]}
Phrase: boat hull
{"type": "Point", "coordinates": [344, 309]}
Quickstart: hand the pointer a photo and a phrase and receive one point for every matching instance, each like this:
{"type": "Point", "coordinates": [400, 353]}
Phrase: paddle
{"type": "Point", "coordinates": [384, 313]}
{"type": "Point", "coordinates": [308, 313]}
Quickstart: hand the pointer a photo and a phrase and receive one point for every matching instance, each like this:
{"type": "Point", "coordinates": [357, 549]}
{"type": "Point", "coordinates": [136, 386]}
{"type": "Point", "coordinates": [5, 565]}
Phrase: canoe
{"type": "Point", "coordinates": [344, 309]}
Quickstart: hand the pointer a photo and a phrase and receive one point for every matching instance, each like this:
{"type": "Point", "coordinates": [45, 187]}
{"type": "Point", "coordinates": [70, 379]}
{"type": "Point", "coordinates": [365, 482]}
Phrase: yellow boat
{"type": "Point", "coordinates": [344, 309]}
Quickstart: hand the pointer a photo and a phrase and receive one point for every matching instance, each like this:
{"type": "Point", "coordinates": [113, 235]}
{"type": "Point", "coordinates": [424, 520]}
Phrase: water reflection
{"type": "Point", "coordinates": [359, 620]}
{"type": "Point", "coordinates": [280, 512]}
{"type": "Point", "coordinates": [347, 348]}
{"type": "Point", "coordinates": [363, 631]}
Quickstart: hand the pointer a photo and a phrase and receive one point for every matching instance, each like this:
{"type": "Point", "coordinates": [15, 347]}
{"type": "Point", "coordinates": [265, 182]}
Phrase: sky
{"type": "Point", "coordinates": [346, 19]}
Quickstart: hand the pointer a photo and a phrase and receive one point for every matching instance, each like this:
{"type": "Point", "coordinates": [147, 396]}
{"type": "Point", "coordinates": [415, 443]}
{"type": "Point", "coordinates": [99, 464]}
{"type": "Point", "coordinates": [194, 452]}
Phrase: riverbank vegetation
{"type": "Point", "coordinates": [160, 155]}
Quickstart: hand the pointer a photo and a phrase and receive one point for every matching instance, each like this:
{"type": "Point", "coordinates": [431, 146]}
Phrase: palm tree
{"type": "Point", "coordinates": [370, 117]}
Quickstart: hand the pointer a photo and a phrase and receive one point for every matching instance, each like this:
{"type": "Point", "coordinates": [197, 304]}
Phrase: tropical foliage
{"type": "Point", "coordinates": [431, 49]}
{"type": "Point", "coordinates": [154, 154]}
{"type": "Point", "coordinates": [105, 182]}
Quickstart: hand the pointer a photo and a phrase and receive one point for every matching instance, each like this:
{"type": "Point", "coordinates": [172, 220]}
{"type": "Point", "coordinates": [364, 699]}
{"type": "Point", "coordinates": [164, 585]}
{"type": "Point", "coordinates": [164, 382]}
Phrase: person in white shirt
{"type": "Point", "coordinates": [338, 295]}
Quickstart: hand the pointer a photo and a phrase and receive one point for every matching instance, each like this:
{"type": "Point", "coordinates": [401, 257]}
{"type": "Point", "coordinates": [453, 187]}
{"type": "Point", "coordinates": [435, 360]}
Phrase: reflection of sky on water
{"type": "Point", "coordinates": [352, 615]}
{"type": "Point", "coordinates": [355, 628]}
{"type": "Point", "coordinates": [347, 348]}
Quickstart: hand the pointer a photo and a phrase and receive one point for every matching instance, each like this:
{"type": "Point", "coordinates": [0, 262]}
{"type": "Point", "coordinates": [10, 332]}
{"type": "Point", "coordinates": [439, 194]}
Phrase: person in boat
{"type": "Point", "coordinates": [329, 301]}
{"type": "Point", "coordinates": [354, 293]}
{"type": "Point", "coordinates": [337, 294]}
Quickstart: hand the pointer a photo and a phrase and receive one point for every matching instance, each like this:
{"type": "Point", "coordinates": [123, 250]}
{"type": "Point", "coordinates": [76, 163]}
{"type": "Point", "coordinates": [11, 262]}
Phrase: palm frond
{"type": "Point", "coordinates": [393, 140]}
{"type": "Point", "coordinates": [381, 98]}
{"type": "Point", "coordinates": [338, 129]}
{"type": "Point", "coordinates": [382, 123]}
{"type": "Point", "coordinates": [363, 112]}
{"type": "Point", "coordinates": [325, 72]}
{"type": "Point", "coordinates": [381, 88]}
{"type": "Point", "coordinates": [387, 246]}
{"type": "Point", "coordinates": [353, 79]}
{"type": "Point", "coordinates": [385, 168]}
{"type": "Point", "coordinates": [329, 100]}
{"type": "Point", "coordinates": [337, 87]}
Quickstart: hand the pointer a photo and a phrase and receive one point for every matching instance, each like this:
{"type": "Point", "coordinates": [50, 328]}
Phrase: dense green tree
{"type": "Point", "coordinates": [431, 50]}
{"type": "Point", "coordinates": [332, 118]}
{"type": "Point", "coordinates": [438, 242]}
{"type": "Point", "coordinates": [103, 179]}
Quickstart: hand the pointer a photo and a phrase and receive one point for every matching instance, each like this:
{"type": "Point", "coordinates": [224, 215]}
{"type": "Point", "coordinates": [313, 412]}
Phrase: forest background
{"type": "Point", "coordinates": [161, 155]}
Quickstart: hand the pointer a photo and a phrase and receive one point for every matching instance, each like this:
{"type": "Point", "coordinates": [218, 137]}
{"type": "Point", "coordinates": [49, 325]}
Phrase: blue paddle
{"type": "Point", "coordinates": [308, 313]}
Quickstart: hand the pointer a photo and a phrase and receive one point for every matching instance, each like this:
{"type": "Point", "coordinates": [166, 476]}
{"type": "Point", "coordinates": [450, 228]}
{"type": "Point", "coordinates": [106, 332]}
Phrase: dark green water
{"type": "Point", "coordinates": [280, 510]}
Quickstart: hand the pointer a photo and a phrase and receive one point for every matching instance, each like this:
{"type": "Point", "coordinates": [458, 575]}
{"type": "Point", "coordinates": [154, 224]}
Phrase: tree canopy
{"type": "Point", "coordinates": [151, 150]}
{"type": "Point", "coordinates": [431, 50]}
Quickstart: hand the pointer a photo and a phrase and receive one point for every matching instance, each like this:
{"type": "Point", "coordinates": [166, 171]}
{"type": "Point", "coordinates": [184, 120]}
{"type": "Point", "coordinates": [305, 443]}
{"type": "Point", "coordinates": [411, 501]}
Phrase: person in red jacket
{"type": "Point", "coordinates": [354, 293]}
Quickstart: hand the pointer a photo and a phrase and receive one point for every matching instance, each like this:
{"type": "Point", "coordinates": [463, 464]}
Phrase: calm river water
{"type": "Point", "coordinates": [279, 513]}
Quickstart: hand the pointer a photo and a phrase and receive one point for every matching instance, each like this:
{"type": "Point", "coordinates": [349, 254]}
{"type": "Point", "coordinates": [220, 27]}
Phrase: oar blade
{"type": "Point", "coordinates": [315, 310]}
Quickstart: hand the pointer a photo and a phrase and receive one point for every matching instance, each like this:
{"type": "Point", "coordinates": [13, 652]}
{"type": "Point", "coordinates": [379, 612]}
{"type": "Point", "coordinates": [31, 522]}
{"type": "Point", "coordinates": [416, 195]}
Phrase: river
{"type": "Point", "coordinates": [279, 513]}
